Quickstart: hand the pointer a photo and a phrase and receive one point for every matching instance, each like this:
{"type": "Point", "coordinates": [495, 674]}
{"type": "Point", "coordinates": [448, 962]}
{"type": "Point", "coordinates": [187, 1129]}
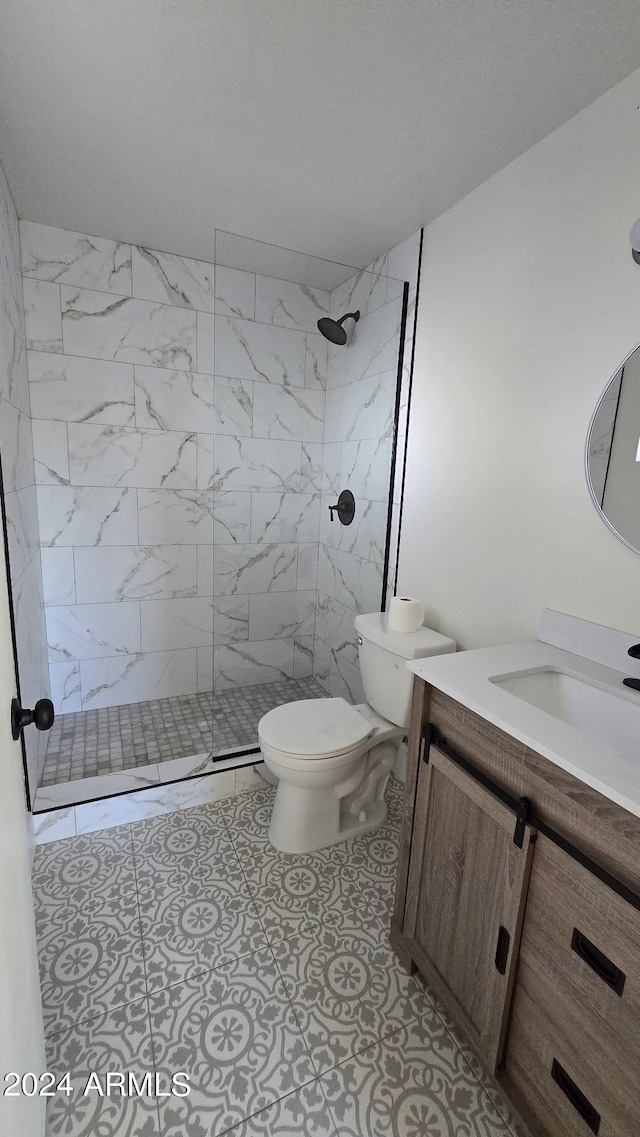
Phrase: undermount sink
{"type": "Point", "coordinates": [603, 714]}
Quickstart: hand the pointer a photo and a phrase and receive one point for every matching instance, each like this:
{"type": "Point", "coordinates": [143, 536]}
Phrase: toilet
{"type": "Point", "coordinates": [333, 760]}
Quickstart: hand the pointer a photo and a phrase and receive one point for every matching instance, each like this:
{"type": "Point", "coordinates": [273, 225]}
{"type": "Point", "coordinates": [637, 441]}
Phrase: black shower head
{"type": "Point", "coordinates": [333, 331]}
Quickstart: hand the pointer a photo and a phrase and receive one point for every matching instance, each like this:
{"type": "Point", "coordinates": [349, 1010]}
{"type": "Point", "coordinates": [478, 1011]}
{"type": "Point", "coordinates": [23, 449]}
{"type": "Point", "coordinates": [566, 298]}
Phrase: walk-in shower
{"type": "Point", "coordinates": [193, 423]}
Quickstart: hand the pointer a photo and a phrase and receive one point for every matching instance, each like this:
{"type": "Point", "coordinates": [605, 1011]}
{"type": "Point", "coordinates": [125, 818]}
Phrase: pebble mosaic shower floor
{"type": "Point", "coordinates": [90, 743]}
{"type": "Point", "coordinates": [187, 943]}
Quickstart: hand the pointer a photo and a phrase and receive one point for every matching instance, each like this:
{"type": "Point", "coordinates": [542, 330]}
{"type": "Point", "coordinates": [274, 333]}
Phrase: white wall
{"type": "Point", "coordinates": [529, 300]}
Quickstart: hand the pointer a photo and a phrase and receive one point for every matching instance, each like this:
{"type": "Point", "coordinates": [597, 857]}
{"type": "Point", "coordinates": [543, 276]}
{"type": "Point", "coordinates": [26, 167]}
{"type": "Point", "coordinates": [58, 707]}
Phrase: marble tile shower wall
{"type": "Point", "coordinates": [270, 364]}
{"type": "Point", "coordinates": [157, 541]}
{"type": "Point", "coordinates": [357, 455]}
{"type": "Point", "coordinates": [19, 480]}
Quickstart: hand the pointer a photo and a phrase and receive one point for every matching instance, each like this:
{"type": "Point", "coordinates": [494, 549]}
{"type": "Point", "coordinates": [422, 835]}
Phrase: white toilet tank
{"type": "Point", "coordinates": [387, 682]}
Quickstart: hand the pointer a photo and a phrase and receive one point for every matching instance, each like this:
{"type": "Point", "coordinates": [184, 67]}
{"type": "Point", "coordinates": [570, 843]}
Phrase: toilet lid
{"type": "Point", "coordinates": [314, 728]}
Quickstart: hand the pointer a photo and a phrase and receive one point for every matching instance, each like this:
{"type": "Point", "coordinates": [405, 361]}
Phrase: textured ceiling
{"type": "Point", "coordinates": [335, 127]}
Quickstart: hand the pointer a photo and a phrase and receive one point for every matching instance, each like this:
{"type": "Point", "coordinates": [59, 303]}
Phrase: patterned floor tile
{"type": "Point", "coordinates": [235, 1034]}
{"type": "Point", "coordinates": [374, 856]}
{"type": "Point", "coordinates": [196, 925]}
{"type": "Point", "coordinates": [119, 1041]}
{"type": "Point", "coordinates": [90, 961]}
{"type": "Point", "coordinates": [347, 989]}
{"type": "Point", "coordinates": [303, 1114]}
{"type": "Point", "coordinates": [190, 841]}
{"type": "Point", "coordinates": [95, 870]}
{"type": "Point", "coordinates": [415, 1083]}
{"type": "Point", "coordinates": [296, 893]}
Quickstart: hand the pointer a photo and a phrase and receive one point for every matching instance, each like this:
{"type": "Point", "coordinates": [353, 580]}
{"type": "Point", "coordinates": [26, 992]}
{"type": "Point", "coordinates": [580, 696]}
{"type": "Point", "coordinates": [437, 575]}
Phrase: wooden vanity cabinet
{"type": "Point", "coordinates": [532, 945]}
{"type": "Point", "coordinates": [465, 898]}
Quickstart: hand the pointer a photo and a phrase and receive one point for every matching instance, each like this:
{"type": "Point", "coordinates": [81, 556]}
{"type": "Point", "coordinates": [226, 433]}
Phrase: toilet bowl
{"type": "Point", "coordinates": [333, 760]}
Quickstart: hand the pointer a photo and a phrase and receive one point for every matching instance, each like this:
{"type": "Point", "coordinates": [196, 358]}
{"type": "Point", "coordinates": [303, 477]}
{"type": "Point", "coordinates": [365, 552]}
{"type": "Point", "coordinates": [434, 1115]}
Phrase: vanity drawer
{"type": "Point", "coordinates": [577, 1001]}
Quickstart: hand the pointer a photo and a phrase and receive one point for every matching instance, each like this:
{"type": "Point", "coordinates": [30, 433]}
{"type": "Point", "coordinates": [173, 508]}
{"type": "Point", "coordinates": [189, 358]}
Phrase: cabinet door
{"type": "Point", "coordinates": [466, 893]}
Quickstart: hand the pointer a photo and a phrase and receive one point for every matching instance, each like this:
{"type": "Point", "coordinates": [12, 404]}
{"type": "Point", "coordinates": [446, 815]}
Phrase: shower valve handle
{"type": "Point", "coordinates": [345, 507]}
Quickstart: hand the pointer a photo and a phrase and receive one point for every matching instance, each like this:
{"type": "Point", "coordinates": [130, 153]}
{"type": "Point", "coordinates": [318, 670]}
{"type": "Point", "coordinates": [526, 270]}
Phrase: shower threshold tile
{"type": "Point", "coordinates": [99, 786]}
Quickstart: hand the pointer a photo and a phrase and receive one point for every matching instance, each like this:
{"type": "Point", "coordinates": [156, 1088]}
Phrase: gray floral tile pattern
{"type": "Point", "coordinates": [187, 943]}
{"type": "Point", "coordinates": [234, 1032]}
{"type": "Point", "coordinates": [415, 1083]}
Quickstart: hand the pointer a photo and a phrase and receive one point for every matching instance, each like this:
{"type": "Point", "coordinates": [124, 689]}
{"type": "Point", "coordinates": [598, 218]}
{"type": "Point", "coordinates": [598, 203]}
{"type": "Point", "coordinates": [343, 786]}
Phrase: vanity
{"type": "Point", "coordinates": [518, 887]}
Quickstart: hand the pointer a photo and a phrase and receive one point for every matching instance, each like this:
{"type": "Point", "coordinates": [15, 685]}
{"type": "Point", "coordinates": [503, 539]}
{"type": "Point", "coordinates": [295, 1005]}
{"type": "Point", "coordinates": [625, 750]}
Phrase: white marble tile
{"type": "Point", "coordinates": [311, 468]}
{"type": "Point", "coordinates": [58, 576]}
{"type": "Point", "coordinates": [242, 569]}
{"type": "Point", "coordinates": [336, 365]}
{"type": "Point", "coordinates": [354, 538]}
{"type": "Point", "coordinates": [332, 468]}
{"type": "Point", "coordinates": [345, 681]}
{"type": "Point", "coordinates": [175, 517]}
{"type": "Point", "coordinates": [249, 778]}
{"type": "Point", "coordinates": [375, 345]}
{"type": "Point", "coordinates": [315, 367]}
{"type": "Point", "coordinates": [335, 627]}
{"type": "Point", "coordinates": [284, 517]}
{"type": "Point", "coordinates": [72, 389]}
{"type": "Point", "coordinates": [134, 572]}
{"type": "Point", "coordinates": [321, 660]}
{"type": "Point", "coordinates": [205, 570]}
{"type": "Point", "coordinates": [235, 292]}
{"type": "Point", "coordinates": [246, 664]}
{"type": "Point", "coordinates": [16, 448]}
{"type": "Point", "coordinates": [14, 386]}
{"type": "Point", "coordinates": [65, 687]}
{"type": "Point", "coordinates": [282, 615]}
{"type": "Point", "coordinates": [232, 517]}
{"type": "Point", "coordinates": [353, 411]}
{"type": "Point", "coordinates": [125, 456]}
{"type": "Point", "coordinates": [90, 631]}
{"type": "Point", "coordinates": [268, 354]}
{"type": "Point", "coordinates": [233, 411]}
{"type": "Point", "coordinates": [22, 528]}
{"type": "Point", "coordinates": [169, 624]}
{"type": "Point", "coordinates": [42, 315]}
{"type": "Point", "coordinates": [173, 400]}
{"type": "Point", "coordinates": [307, 566]}
{"type": "Point", "coordinates": [187, 767]}
{"type": "Point", "coordinates": [295, 413]}
{"type": "Point", "coordinates": [379, 516]}
{"type": "Point", "coordinates": [303, 657]}
{"type": "Point", "coordinates": [126, 330]}
{"type": "Point", "coordinates": [10, 268]}
{"type": "Point", "coordinates": [256, 464]}
{"type": "Point", "coordinates": [205, 444]}
{"type": "Point", "coordinates": [101, 786]}
{"type": "Point", "coordinates": [170, 279]}
{"type": "Point", "coordinates": [205, 354]}
{"type": "Point", "coordinates": [230, 619]}
{"type": "Point", "coordinates": [366, 468]}
{"type": "Point", "coordinates": [54, 826]}
{"type": "Point", "coordinates": [205, 669]}
{"type": "Point", "coordinates": [76, 515]}
{"type": "Point", "coordinates": [354, 582]}
{"type": "Point", "coordinates": [290, 305]}
{"type": "Point", "coordinates": [74, 258]}
{"type": "Point", "coordinates": [135, 678]}
{"type": "Point", "coordinates": [364, 292]}
{"type": "Point", "coordinates": [387, 403]}
{"type": "Point", "coordinates": [154, 802]}
{"type": "Point", "coordinates": [50, 453]}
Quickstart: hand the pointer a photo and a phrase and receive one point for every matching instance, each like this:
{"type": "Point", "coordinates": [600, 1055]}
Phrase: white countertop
{"type": "Point", "coordinates": [466, 677]}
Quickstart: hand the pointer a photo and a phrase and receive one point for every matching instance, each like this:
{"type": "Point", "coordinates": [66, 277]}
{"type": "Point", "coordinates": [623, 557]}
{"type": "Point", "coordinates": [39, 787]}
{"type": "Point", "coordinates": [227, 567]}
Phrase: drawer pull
{"type": "Point", "coordinates": [598, 962]}
{"type": "Point", "coordinates": [575, 1096]}
{"type": "Point", "coordinates": [502, 950]}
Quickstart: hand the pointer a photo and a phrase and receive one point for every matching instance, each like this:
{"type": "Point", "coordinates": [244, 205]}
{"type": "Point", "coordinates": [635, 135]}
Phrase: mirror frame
{"type": "Point", "coordinates": [592, 420]}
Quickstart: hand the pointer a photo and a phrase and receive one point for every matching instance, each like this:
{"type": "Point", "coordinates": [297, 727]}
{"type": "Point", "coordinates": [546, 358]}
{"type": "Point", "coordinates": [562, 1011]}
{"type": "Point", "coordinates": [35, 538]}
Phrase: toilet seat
{"type": "Point", "coordinates": [312, 729]}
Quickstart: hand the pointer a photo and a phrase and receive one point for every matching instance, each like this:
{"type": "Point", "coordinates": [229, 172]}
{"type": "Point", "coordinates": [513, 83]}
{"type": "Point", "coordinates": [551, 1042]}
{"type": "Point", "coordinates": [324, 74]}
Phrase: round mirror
{"type": "Point", "coordinates": [613, 453]}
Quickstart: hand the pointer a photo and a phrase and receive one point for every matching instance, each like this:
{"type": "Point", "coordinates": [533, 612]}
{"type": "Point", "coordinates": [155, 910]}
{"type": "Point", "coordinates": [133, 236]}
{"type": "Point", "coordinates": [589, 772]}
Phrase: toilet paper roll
{"type": "Point", "coordinates": [405, 614]}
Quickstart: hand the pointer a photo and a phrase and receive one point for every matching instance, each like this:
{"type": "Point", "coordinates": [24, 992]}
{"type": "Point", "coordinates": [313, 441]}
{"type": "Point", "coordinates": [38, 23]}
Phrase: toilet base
{"type": "Point", "coordinates": [306, 818]}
